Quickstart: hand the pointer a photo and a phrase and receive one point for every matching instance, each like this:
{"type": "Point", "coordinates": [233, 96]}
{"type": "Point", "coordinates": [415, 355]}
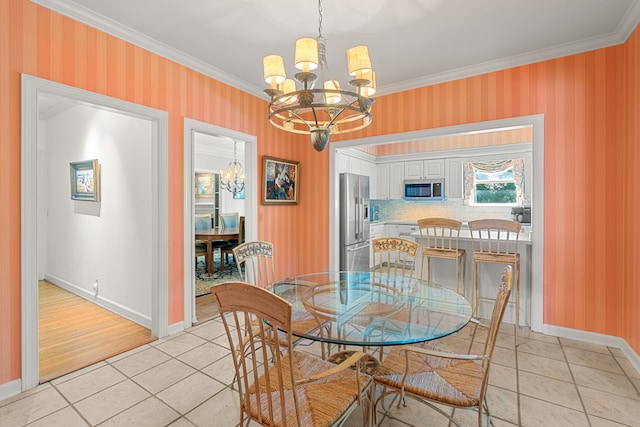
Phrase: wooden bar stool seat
{"type": "Point", "coordinates": [496, 241]}
{"type": "Point", "coordinates": [440, 240]}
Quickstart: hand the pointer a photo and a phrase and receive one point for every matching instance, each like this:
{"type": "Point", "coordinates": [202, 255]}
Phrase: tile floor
{"type": "Point", "coordinates": [183, 381]}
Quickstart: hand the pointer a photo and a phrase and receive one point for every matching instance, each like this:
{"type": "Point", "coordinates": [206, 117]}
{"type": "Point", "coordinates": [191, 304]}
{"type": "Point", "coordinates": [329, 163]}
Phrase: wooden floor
{"type": "Point", "coordinates": [205, 307]}
{"type": "Point", "coordinates": [75, 333]}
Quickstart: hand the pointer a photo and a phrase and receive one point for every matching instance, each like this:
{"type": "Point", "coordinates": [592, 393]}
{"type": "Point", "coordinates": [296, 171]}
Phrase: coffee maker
{"type": "Point", "coordinates": [521, 214]}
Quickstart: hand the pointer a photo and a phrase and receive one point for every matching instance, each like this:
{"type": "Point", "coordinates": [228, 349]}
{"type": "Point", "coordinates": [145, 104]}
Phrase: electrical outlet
{"type": "Point", "coordinates": [95, 288]}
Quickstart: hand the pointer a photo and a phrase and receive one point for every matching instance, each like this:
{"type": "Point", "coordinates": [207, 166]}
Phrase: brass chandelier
{"type": "Point", "coordinates": [320, 107]}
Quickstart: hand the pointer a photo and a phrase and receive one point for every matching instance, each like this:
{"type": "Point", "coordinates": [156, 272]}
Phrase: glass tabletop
{"type": "Point", "coordinates": [372, 308]}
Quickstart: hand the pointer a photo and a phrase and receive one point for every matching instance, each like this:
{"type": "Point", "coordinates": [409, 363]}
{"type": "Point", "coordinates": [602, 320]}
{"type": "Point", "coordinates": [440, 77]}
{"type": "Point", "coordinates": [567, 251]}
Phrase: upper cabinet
{"type": "Point", "coordinates": [346, 163]}
{"type": "Point", "coordinates": [383, 181]}
{"type": "Point", "coordinates": [369, 169]}
{"type": "Point", "coordinates": [396, 176]}
{"type": "Point", "coordinates": [424, 169]}
{"type": "Point", "coordinates": [453, 178]}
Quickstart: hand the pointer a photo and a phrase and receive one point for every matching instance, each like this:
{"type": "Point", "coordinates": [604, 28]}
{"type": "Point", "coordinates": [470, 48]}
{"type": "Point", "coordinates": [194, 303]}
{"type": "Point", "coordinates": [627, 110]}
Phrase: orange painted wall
{"type": "Point", "coordinates": [631, 194]}
{"type": "Point", "coordinates": [41, 43]}
{"type": "Point", "coordinates": [590, 130]}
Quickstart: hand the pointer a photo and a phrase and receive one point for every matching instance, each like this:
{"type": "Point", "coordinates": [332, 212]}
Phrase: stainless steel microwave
{"type": "Point", "coordinates": [423, 189]}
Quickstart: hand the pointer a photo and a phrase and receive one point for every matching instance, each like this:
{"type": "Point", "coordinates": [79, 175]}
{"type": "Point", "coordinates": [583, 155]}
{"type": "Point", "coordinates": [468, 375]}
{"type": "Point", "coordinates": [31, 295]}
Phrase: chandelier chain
{"type": "Point", "coordinates": [320, 18]}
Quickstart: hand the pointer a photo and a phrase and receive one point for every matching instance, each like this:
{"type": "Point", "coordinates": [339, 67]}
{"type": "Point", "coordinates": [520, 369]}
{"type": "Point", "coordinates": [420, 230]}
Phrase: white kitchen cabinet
{"type": "Point", "coordinates": [342, 162]}
{"type": "Point", "coordinates": [396, 178]}
{"type": "Point", "coordinates": [382, 178]}
{"type": "Point", "coordinates": [453, 178]}
{"type": "Point", "coordinates": [369, 169]}
{"type": "Point", "coordinates": [376, 230]}
{"type": "Point", "coordinates": [413, 169]}
{"type": "Point", "coordinates": [424, 169]}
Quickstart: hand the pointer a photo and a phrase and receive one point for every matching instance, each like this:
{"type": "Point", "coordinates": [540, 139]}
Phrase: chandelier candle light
{"type": "Point", "coordinates": [232, 179]}
{"type": "Point", "coordinates": [321, 107]}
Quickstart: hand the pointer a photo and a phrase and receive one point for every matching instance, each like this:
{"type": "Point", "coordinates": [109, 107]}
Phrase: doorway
{"type": "Point", "coordinates": [34, 207]}
{"type": "Point", "coordinates": [193, 128]}
{"type": "Point", "coordinates": [537, 124]}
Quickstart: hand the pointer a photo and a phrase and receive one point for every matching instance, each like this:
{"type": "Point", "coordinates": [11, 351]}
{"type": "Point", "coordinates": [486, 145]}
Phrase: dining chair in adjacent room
{"type": "Point", "coordinates": [228, 248]}
{"type": "Point", "coordinates": [436, 377]}
{"type": "Point", "coordinates": [227, 220]}
{"type": "Point", "coordinates": [440, 240]}
{"type": "Point", "coordinates": [495, 241]}
{"type": "Point", "coordinates": [202, 222]}
{"type": "Point", "coordinates": [284, 387]}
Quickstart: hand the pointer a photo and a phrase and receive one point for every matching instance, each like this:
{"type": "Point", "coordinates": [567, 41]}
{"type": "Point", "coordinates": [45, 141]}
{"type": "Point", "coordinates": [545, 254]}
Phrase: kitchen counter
{"type": "Point", "coordinates": [465, 235]}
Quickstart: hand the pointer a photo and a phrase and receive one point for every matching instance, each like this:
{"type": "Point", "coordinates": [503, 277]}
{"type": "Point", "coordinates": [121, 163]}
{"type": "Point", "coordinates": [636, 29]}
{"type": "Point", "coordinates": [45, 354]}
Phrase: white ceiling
{"type": "Point", "coordinates": [412, 43]}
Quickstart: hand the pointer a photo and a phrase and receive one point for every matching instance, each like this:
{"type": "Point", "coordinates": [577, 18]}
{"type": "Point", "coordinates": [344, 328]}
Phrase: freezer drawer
{"type": "Point", "coordinates": [355, 257]}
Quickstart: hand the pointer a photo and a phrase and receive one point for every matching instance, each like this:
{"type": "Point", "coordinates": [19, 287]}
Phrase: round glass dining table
{"type": "Point", "coordinates": [367, 308]}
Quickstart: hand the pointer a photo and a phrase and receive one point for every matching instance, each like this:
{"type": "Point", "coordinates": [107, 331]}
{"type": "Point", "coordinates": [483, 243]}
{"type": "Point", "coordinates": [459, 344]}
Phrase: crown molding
{"type": "Point", "coordinates": [506, 63]}
{"type": "Point", "coordinates": [87, 16]}
{"type": "Point", "coordinates": [116, 29]}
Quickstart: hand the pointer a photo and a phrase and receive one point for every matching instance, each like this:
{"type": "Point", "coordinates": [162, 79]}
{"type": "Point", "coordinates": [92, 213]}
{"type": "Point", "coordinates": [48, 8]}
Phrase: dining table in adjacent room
{"type": "Point", "coordinates": [372, 309]}
{"type": "Point", "coordinates": [214, 235]}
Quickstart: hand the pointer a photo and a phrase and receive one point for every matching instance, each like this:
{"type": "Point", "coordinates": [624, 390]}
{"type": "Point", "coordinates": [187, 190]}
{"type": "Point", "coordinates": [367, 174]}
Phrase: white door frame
{"type": "Point", "coordinates": [536, 121]}
{"type": "Point", "coordinates": [251, 200]}
{"type": "Point", "coordinates": [31, 201]}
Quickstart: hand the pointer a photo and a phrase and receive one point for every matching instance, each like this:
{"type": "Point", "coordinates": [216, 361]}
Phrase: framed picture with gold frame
{"type": "Point", "coordinates": [204, 185]}
{"type": "Point", "coordinates": [85, 180]}
{"type": "Point", "coordinates": [280, 182]}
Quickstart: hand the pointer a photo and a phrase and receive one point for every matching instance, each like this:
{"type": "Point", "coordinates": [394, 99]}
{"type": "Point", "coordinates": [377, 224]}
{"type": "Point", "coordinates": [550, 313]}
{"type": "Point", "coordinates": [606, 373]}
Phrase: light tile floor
{"type": "Point", "coordinates": [184, 381]}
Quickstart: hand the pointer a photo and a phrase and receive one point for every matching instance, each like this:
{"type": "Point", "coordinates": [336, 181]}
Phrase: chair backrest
{"type": "Point", "coordinates": [502, 299]}
{"type": "Point", "coordinates": [440, 233]}
{"type": "Point", "coordinates": [395, 255]}
{"type": "Point", "coordinates": [495, 236]}
{"type": "Point", "coordinates": [241, 230]}
{"type": "Point", "coordinates": [229, 220]}
{"type": "Point", "coordinates": [202, 221]}
{"type": "Point", "coordinates": [256, 258]}
{"type": "Point", "coordinates": [256, 354]}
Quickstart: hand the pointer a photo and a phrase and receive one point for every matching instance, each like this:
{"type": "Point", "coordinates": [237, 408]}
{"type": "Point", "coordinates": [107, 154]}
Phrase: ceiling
{"type": "Point", "coordinates": [412, 43]}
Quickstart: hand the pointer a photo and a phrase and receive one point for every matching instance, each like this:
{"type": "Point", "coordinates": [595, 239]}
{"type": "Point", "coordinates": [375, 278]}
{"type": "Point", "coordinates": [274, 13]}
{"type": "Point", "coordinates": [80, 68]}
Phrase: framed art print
{"type": "Point", "coordinates": [280, 182]}
{"type": "Point", "coordinates": [85, 180]}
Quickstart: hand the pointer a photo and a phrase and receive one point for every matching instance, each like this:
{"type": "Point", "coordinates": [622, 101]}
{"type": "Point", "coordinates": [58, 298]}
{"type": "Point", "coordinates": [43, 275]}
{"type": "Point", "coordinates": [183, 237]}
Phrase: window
{"type": "Point", "coordinates": [494, 182]}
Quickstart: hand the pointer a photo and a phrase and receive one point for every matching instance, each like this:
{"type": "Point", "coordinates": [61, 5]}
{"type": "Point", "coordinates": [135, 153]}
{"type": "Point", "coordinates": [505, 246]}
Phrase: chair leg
{"type": "Point", "coordinates": [475, 294]}
{"type": "Point", "coordinates": [517, 304]}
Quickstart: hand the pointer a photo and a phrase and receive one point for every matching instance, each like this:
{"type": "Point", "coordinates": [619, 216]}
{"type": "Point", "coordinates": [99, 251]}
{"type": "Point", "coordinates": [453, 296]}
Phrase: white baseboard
{"type": "Point", "coordinates": [595, 338]}
{"type": "Point", "coordinates": [105, 303]}
{"type": "Point", "coordinates": [176, 327]}
{"type": "Point", "coordinates": [10, 389]}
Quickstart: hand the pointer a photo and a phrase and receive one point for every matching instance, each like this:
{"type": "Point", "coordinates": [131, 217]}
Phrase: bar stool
{"type": "Point", "coordinates": [496, 241]}
{"type": "Point", "coordinates": [440, 240]}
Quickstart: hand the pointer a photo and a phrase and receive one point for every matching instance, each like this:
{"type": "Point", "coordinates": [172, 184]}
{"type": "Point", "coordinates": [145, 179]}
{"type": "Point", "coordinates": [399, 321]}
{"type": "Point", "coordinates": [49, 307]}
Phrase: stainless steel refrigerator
{"type": "Point", "coordinates": [354, 222]}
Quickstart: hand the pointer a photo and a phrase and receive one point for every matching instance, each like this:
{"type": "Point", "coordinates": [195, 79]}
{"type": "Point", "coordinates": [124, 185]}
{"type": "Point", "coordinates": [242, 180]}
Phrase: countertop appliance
{"type": "Point", "coordinates": [423, 189]}
{"type": "Point", "coordinates": [521, 214]}
{"type": "Point", "coordinates": [354, 222]}
{"type": "Point", "coordinates": [375, 213]}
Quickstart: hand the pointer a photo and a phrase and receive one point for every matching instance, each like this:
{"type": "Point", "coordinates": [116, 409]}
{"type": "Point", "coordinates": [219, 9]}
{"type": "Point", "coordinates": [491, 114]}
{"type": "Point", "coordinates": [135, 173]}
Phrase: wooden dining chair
{"type": "Point", "coordinates": [256, 266]}
{"type": "Point", "coordinates": [255, 262]}
{"type": "Point", "coordinates": [495, 241]}
{"type": "Point", "coordinates": [284, 387]}
{"type": "Point", "coordinates": [440, 240]}
{"type": "Point", "coordinates": [392, 256]}
{"type": "Point", "coordinates": [436, 377]}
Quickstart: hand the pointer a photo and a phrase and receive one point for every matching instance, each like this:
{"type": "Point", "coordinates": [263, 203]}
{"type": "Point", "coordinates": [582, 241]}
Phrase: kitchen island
{"type": "Point", "coordinates": [443, 272]}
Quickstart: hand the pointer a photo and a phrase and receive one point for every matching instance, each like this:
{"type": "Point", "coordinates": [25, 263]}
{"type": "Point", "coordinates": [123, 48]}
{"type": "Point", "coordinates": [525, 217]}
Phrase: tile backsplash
{"type": "Point", "coordinates": [405, 210]}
